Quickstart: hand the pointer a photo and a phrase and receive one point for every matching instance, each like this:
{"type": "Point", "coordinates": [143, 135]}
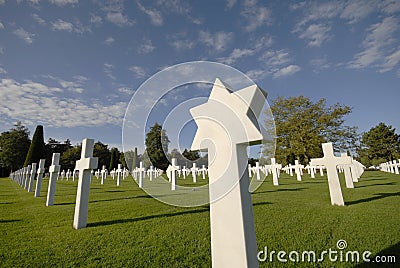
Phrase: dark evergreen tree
{"type": "Point", "coordinates": [37, 148]}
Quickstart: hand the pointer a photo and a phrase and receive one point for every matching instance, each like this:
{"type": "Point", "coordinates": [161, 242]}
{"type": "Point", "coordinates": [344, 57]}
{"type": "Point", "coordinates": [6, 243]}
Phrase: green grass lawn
{"type": "Point", "coordinates": [128, 228]}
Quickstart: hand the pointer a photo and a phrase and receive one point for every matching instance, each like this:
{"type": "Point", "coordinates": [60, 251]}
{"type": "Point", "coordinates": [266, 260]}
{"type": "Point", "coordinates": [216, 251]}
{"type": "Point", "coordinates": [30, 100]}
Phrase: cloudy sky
{"type": "Point", "coordinates": [73, 65]}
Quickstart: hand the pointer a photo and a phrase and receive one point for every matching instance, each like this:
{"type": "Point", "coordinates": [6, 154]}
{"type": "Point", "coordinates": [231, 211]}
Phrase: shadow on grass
{"type": "Point", "coordinates": [262, 203]}
{"type": "Point", "coordinates": [107, 200]}
{"type": "Point", "coordinates": [6, 203]}
{"type": "Point", "coordinates": [149, 217]}
{"type": "Point", "coordinates": [7, 221]}
{"type": "Point", "coordinates": [115, 191]}
{"type": "Point", "coordinates": [281, 190]}
{"type": "Point", "coordinates": [390, 251]}
{"type": "Point", "coordinates": [376, 197]}
{"type": "Point", "coordinates": [378, 184]}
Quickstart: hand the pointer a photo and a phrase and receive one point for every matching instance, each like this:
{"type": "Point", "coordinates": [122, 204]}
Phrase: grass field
{"type": "Point", "coordinates": [128, 228]}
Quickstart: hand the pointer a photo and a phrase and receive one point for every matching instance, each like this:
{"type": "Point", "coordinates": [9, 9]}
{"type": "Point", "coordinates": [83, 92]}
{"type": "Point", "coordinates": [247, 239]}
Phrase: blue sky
{"type": "Point", "coordinates": [73, 65]}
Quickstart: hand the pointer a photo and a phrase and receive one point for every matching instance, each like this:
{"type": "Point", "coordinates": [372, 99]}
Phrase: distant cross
{"type": "Point", "coordinates": [275, 171]}
{"type": "Point", "coordinates": [84, 165]}
{"type": "Point", "coordinates": [40, 173]}
{"type": "Point", "coordinates": [141, 171]}
{"type": "Point", "coordinates": [27, 176]}
{"type": "Point", "coordinates": [330, 161]}
{"type": "Point", "coordinates": [194, 170]}
{"type": "Point", "coordinates": [53, 169]}
{"type": "Point", "coordinates": [298, 169]}
{"type": "Point", "coordinates": [119, 172]}
{"type": "Point", "coordinates": [226, 127]}
{"type": "Point", "coordinates": [32, 177]}
{"type": "Point", "coordinates": [103, 174]}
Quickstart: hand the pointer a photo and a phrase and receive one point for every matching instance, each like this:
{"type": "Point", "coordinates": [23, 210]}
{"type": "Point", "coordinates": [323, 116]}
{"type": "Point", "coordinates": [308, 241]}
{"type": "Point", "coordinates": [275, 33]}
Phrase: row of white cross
{"type": "Point", "coordinates": [390, 166]}
{"type": "Point", "coordinates": [25, 177]}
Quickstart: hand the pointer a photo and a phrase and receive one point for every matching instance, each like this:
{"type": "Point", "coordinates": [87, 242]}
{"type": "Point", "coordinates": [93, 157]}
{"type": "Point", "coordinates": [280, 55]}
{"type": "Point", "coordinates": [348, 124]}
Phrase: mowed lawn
{"type": "Point", "coordinates": [128, 228]}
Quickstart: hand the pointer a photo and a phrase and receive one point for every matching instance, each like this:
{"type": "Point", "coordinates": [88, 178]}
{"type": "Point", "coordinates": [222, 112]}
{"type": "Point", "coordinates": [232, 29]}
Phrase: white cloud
{"type": "Point", "coordinates": [285, 71]}
{"type": "Point", "coordinates": [97, 20]}
{"type": "Point", "coordinates": [2, 71]}
{"type": "Point", "coordinates": [316, 34]}
{"type": "Point", "coordinates": [320, 63]}
{"type": "Point", "coordinates": [126, 90]}
{"type": "Point", "coordinates": [109, 40]}
{"type": "Point", "coordinates": [257, 74]}
{"type": "Point", "coordinates": [275, 58]}
{"type": "Point", "coordinates": [356, 10]}
{"type": "Point", "coordinates": [24, 35]}
{"type": "Point", "coordinates": [146, 47]}
{"type": "Point", "coordinates": [379, 38]}
{"type": "Point", "coordinates": [180, 41]}
{"type": "Point", "coordinates": [230, 3]}
{"type": "Point", "coordinates": [391, 6]}
{"type": "Point", "coordinates": [108, 70]}
{"type": "Point", "coordinates": [1, 25]}
{"type": "Point", "coordinates": [119, 19]}
{"type": "Point", "coordinates": [35, 103]}
{"type": "Point", "coordinates": [61, 25]}
{"type": "Point", "coordinates": [217, 41]}
{"type": "Point", "coordinates": [2, 2]}
{"type": "Point", "coordinates": [398, 73]}
{"type": "Point", "coordinates": [38, 19]}
{"type": "Point", "coordinates": [63, 2]}
{"type": "Point", "coordinates": [391, 61]}
{"type": "Point", "coordinates": [238, 53]}
{"type": "Point", "coordinates": [255, 15]}
{"type": "Point", "coordinates": [138, 71]}
{"type": "Point", "coordinates": [155, 15]}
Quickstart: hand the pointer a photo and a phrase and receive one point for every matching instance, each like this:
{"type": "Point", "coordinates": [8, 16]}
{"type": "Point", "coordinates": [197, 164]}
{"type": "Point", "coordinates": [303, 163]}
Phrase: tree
{"type": "Point", "coordinates": [379, 144]}
{"type": "Point", "coordinates": [157, 146]}
{"type": "Point", "coordinates": [37, 147]}
{"type": "Point", "coordinates": [114, 159]}
{"type": "Point", "coordinates": [302, 125]}
{"type": "Point", "coordinates": [69, 157]}
{"type": "Point", "coordinates": [101, 151]}
{"type": "Point", "coordinates": [191, 155]}
{"type": "Point", "coordinates": [54, 146]}
{"type": "Point", "coordinates": [122, 160]}
{"type": "Point", "coordinates": [14, 145]}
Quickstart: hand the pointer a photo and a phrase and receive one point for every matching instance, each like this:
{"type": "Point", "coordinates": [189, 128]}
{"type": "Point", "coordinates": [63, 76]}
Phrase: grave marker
{"type": "Point", "coordinates": [84, 165]}
{"type": "Point", "coordinates": [53, 169]}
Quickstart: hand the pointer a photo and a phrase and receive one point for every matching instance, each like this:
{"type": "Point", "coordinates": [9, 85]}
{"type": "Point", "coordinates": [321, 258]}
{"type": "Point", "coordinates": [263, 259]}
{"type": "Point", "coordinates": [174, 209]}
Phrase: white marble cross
{"type": "Point", "coordinates": [275, 169]}
{"type": "Point", "coordinates": [103, 174]}
{"type": "Point", "coordinates": [53, 169]}
{"type": "Point", "coordinates": [348, 176]}
{"type": "Point", "coordinates": [84, 165]}
{"type": "Point", "coordinates": [298, 169]}
{"type": "Point", "coordinates": [194, 170]}
{"type": "Point", "coordinates": [27, 176]}
{"type": "Point", "coordinates": [141, 171]}
{"type": "Point", "coordinates": [227, 124]}
{"type": "Point", "coordinates": [39, 178]}
{"type": "Point", "coordinates": [32, 177]}
{"type": "Point", "coordinates": [119, 172]}
{"type": "Point", "coordinates": [330, 161]}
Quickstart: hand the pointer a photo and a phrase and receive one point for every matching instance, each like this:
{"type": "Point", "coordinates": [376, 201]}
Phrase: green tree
{"type": "Point", "coordinates": [191, 155]}
{"type": "Point", "coordinates": [114, 159]}
{"type": "Point", "coordinates": [379, 144]}
{"type": "Point", "coordinates": [101, 151]}
{"type": "Point", "coordinates": [37, 147]}
{"type": "Point", "coordinates": [302, 125]}
{"type": "Point", "coordinates": [122, 160]}
{"type": "Point", "coordinates": [54, 146]}
{"type": "Point", "coordinates": [157, 146]}
{"type": "Point", "coordinates": [14, 145]}
{"type": "Point", "coordinates": [69, 157]}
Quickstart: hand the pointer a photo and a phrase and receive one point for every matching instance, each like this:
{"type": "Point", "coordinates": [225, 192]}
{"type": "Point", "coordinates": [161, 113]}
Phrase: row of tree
{"type": "Point", "coordinates": [301, 126]}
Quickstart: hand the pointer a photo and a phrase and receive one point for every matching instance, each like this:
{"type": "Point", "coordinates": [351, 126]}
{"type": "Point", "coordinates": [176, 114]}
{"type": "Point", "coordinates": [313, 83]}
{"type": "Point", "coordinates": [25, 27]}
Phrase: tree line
{"type": "Point", "coordinates": [298, 126]}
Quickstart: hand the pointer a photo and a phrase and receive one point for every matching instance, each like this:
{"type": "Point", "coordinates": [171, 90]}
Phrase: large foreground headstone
{"type": "Point", "coordinates": [85, 166]}
{"type": "Point", "coordinates": [53, 169]}
{"type": "Point", "coordinates": [330, 161]}
{"type": "Point", "coordinates": [226, 125]}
